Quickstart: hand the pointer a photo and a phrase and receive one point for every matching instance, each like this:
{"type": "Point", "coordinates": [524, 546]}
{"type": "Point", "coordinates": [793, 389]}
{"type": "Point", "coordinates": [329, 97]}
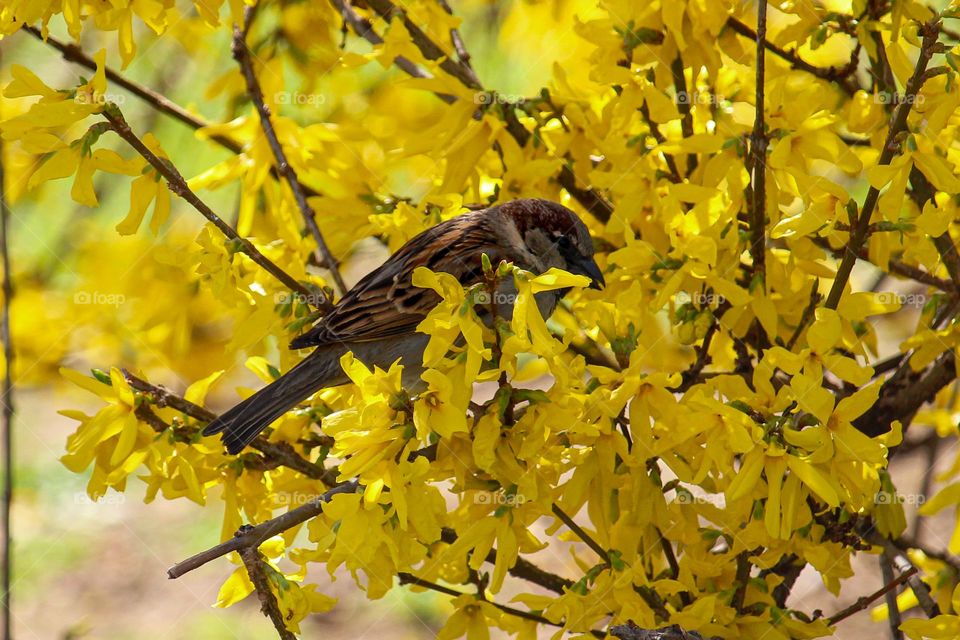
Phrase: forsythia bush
{"type": "Point", "coordinates": [718, 418]}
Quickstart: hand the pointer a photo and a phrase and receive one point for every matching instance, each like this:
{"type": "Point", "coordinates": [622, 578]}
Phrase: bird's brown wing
{"type": "Point", "coordinates": [385, 303]}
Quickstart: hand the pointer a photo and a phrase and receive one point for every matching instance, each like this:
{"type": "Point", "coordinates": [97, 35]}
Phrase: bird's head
{"type": "Point", "coordinates": [554, 236]}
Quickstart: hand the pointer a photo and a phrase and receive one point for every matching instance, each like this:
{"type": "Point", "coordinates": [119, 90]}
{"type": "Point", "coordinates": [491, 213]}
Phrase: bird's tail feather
{"type": "Point", "coordinates": [241, 424]}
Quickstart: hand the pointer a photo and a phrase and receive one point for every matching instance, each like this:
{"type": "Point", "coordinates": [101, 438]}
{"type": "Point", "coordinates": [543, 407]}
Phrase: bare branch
{"type": "Point", "coordinates": [6, 422]}
{"type": "Point", "coordinates": [253, 537]}
{"type": "Point", "coordinates": [242, 55]}
{"type": "Point", "coordinates": [758, 158]}
{"type": "Point", "coordinates": [276, 454]}
{"type": "Point", "coordinates": [858, 235]}
{"type": "Point", "coordinates": [410, 579]}
{"type": "Point", "coordinates": [903, 566]}
{"type": "Point", "coordinates": [430, 49]}
{"type": "Point", "coordinates": [73, 53]}
{"type": "Point", "coordinates": [179, 186]}
{"type": "Point", "coordinates": [253, 562]}
{"type": "Point", "coordinates": [864, 601]}
{"type": "Point", "coordinates": [841, 76]}
{"type": "Point", "coordinates": [592, 201]}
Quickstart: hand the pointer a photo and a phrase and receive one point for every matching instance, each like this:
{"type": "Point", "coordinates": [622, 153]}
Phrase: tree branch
{"type": "Point", "coordinates": [904, 566]}
{"type": "Point", "coordinates": [589, 199]}
{"type": "Point", "coordinates": [864, 601]}
{"type": "Point", "coordinates": [253, 562]}
{"type": "Point", "coordinates": [840, 75]}
{"type": "Point", "coordinates": [858, 235]}
{"type": "Point", "coordinates": [430, 49]}
{"type": "Point", "coordinates": [252, 537]}
{"type": "Point", "coordinates": [179, 186]}
{"type": "Point", "coordinates": [242, 55]}
{"type": "Point", "coordinates": [410, 579]}
{"type": "Point", "coordinates": [758, 158]}
{"type": "Point", "coordinates": [6, 423]}
{"type": "Point", "coordinates": [276, 454]}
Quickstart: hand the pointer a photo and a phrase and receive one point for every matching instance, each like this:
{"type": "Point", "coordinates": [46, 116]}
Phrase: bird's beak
{"type": "Point", "coordinates": [588, 267]}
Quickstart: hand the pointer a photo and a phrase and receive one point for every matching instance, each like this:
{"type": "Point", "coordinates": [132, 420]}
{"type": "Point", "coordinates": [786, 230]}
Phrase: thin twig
{"type": "Point", "coordinates": [248, 537]}
{"type": "Point", "coordinates": [594, 203]}
{"type": "Point", "coordinates": [580, 533]}
{"type": "Point", "coordinates": [73, 53]}
{"type": "Point", "coordinates": [758, 155]}
{"type": "Point", "coordinates": [890, 598]}
{"type": "Point", "coordinates": [903, 565]}
{"type": "Point", "coordinates": [864, 601]}
{"type": "Point", "coordinates": [842, 76]}
{"type": "Point", "coordinates": [410, 579]}
{"type": "Point", "coordinates": [242, 55]}
{"type": "Point", "coordinates": [7, 421]}
{"type": "Point", "coordinates": [684, 106]}
{"type": "Point", "coordinates": [253, 562]}
{"type": "Point", "coordinates": [179, 186]}
{"type": "Point", "coordinates": [858, 235]}
{"type": "Point", "coordinates": [276, 454]}
{"type": "Point", "coordinates": [523, 569]}
{"type": "Point", "coordinates": [430, 49]}
{"type": "Point", "coordinates": [742, 579]}
{"type": "Point", "coordinates": [462, 54]}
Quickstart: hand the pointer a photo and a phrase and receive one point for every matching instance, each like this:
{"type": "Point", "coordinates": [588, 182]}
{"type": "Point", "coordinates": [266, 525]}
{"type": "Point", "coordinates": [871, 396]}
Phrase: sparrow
{"type": "Point", "coordinates": [377, 319]}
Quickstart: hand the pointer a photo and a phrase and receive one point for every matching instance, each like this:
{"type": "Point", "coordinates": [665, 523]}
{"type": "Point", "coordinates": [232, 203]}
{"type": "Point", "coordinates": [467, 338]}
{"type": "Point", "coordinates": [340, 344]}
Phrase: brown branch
{"type": "Point", "coordinates": [253, 562]}
{"type": "Point", "coordinates": [253, 537]}
{"type": "Point", "coordinates": [858, 235]}
{"type": "Point", "coordinates": [842, 76]}
{"type": "Point", "coordinates": [903, 565]}
{"type": "Point", "coordinates": [430, 49]}
{"type": "Point", "coordinates": [362, 27]}
{"type": "Point", "coordinates": [580, 533]}
{"type": "Point", "coordinates": [864, 601]}
{"type": "Point", "coordinates": [276, 454]}
{"type": "Point", "coordinates": [890, 599]}
{"type": "Point", "coordinates": [179, 186]}
{"type": "Point", "coordinates": [903, 393]}
{"type": "Point", "coordinates": [807, 315]}
{"type": "Point", "coordinates": [684, 106]}
{"type": "Point", "coordinates": [458, 45]}
{"type": "Point", "coordinates": [945, 557]}
{"type": "Point", "coordinates": [660, 138]}
{"type": "Point", "coordinates": [758, 158]}
{"type": "Point", "coordinates": [242, 55]}
{"type": "Point", "coordinates": [6, 422]}
{"type": "Point", "coordinates": [73, 53]}
{"type": "Point", "coordinates": [742, 580]}
{"type": "Point", "coordinates": [594, 203]}
{"type": "Point", "coordinates": [523, 569]}
{"type": "Point", "coordinates": [410, 579]}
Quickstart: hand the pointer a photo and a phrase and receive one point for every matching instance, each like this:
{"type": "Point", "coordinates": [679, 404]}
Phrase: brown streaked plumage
{"type": "Point", "coordinates": [378, 317]}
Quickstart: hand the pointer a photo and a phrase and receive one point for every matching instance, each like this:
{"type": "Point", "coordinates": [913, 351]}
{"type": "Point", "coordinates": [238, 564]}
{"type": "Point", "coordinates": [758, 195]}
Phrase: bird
{"type": "Point", "coordinates": [377, 318]}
